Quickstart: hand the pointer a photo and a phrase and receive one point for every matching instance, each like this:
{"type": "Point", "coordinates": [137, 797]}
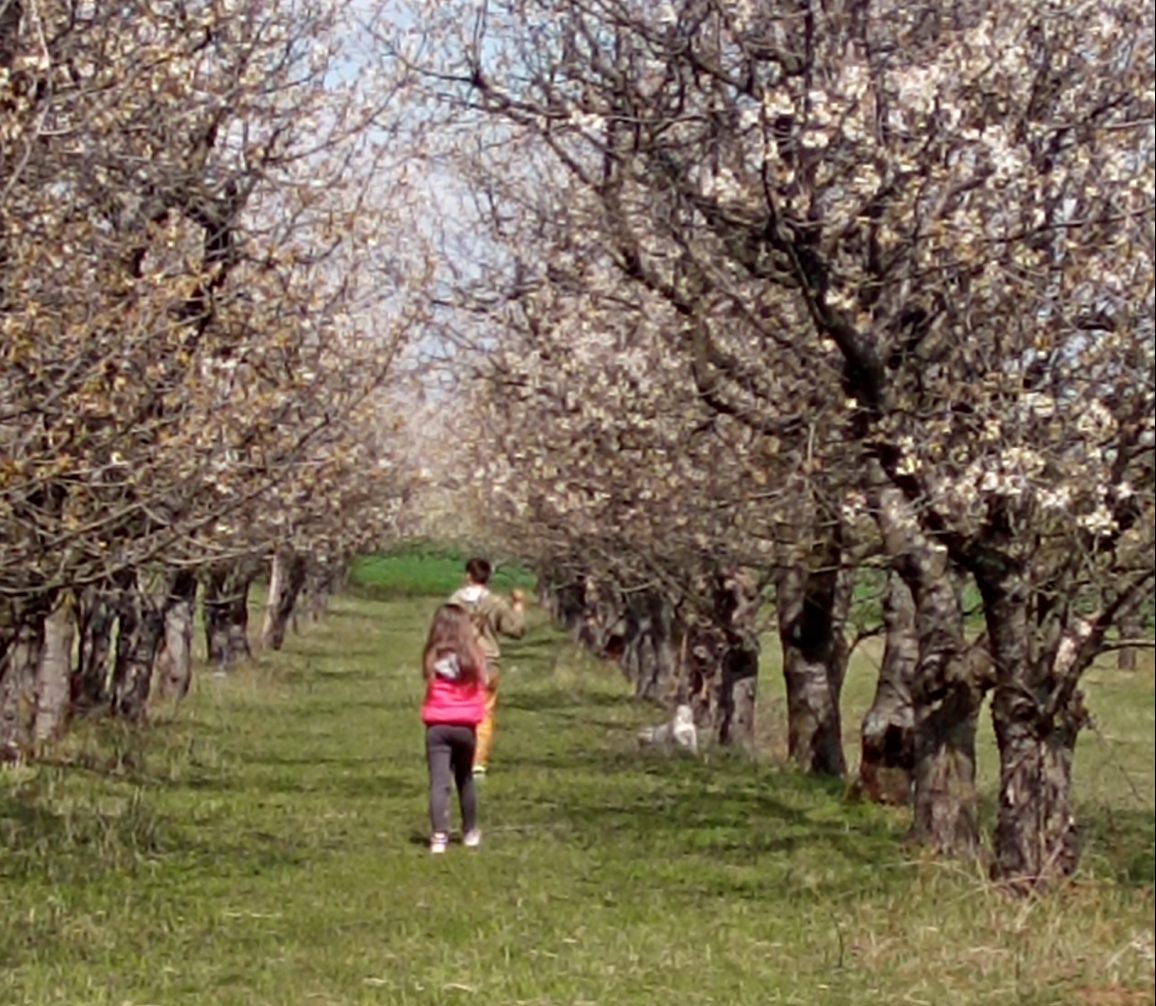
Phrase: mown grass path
{"type": "Point", "coordinates": [264, 846]}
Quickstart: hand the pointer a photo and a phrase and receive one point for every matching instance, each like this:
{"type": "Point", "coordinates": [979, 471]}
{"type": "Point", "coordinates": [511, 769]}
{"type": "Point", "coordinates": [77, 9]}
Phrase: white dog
{"type": "Point", "coordinates": [679, 732]}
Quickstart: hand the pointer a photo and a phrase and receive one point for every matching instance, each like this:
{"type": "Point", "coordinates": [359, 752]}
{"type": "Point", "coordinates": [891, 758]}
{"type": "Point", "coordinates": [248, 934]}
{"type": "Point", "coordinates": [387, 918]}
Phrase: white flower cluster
{"type": "Point", "coordinates": [1011, 473]}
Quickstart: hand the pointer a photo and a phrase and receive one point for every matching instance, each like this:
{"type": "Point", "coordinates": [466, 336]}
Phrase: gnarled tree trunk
{"type": "Point", "coordinates": [812, 607]}
{"type": "Point", "coordinates": [1035, 839]}
{"type": "Point", "coordinates": [887, 759]}
{"type": "Point", "coordinates": [946, 700]}
{"type": "Point", "coordinates": [946, 691]}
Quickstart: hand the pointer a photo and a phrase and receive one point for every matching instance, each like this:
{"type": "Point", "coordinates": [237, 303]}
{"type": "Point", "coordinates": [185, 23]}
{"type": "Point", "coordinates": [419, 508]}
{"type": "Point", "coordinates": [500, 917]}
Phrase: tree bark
{"type": "Point", "coordinates": [226, 614]}
{"type": "Point", "coordinates": [1035, 840]}
{"type": "Point", "coordinates": [53, 674]}
{"type": "Point", "coordinates": [739, 684]}
{"type": "Point", "coordinates": [601, 625]}
{"type": "Point", "coordinates": [946, 691]}
{"type": "Point", "coordinates": [140, 629]}
{"type": "Point", "coordinates": [96, 618]}
{"type": "Point", "coordinates": [946, 703]}
{"type": "Point", "coordinates": [285, 584]}
{"type": "Point", "coordinates": [887, 734]}
{"type": "Point", "coordinates": [812, 606]}
{"type": "Point", "coordinates": [321, 581]}
{"type": "Point", "coordinates": [649, 655]}
{"type": "Point", "coordinates": [175, 660]}
{"type": "Point", "coordinates": [21, 643]}
{"type": "Point", "coordinates": [719, 659]}
{"type": "Point", "coordinates": [563, 597]}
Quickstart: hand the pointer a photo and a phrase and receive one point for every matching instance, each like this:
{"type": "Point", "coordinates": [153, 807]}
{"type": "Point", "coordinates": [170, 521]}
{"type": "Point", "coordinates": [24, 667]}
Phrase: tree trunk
{"type": "Point", "coordinates": [600, 626]}
{"type": "Point", "coordinates": [140, 629]}
{"type": "Point", "coordinates": [649, 655]}
{"type": "Point", "coordinates": [946, 706]}
{"type": "Point", "coordinates": [285, 584]}
{"type": "Point", "coordinates": [946, 692]}
{"type": "Point", "coordinates": [719, 658]}
{"type": "Point", "coordinates": [21, 643]}
{"type": "Point", "coordinates": [226, 612]}
{"type": "Point", "coordinates": [812, 606]}
{"type": "Point", "coordinates": [53, 674]}
{"type": "Point", "coordinates": [175, 660]}
{"type": "Point", "coordinates": [887, 761]}
{"type": "Point", "coordinates": [736, 726]}
{"type": "Point", "coordinates": [321, 581]}
{"type": "Point", "coordinates": [96, 619]}
{"type": "Point", "coordinates": [563, 595]}
{"type": "Point", "coordinates": [1035, 840]}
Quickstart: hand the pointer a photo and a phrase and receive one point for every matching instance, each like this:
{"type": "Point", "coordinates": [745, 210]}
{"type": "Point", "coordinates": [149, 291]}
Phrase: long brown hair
{"type": "Point", "coordinates": [452, 631]}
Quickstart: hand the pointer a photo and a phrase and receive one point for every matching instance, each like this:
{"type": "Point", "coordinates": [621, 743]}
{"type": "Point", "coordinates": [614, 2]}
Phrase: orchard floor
{"type": "Point", "coordinates": [264, 846]}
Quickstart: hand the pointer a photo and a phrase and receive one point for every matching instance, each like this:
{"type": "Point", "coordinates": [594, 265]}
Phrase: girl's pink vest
{"type": "Point", "coordinates": [453, 703]}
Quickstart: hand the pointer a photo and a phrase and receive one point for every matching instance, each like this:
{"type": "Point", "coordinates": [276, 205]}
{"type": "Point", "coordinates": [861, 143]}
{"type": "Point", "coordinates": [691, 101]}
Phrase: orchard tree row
{"type": "Point", "coordinates": [765, 293]}
{"type": "Point", "coordinates": [208, 277]}
{"type": "Point", "coordinates": [734, 299]}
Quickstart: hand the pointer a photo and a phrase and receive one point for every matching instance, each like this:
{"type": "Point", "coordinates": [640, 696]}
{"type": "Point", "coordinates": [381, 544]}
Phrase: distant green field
{"type": "Point", "coordinates": [265, 846]}
{"type": "Point", "coordinates": [426, 573]}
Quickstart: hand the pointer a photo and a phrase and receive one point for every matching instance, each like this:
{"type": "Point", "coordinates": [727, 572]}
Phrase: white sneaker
{"type": "Point", "coordinates": [472, 838]}
{"type": "Point", "coordinates": [438, 842]}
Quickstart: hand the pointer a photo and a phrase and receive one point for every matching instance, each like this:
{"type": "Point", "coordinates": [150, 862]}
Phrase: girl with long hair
{"type": "Point", "coordinates": [454, 668]}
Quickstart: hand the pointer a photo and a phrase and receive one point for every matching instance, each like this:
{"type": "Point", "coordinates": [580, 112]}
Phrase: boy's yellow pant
{"type": "Point", "coordinates": [486, 727]}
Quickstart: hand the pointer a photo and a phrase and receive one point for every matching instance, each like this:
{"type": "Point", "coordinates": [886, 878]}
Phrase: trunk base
{"type": "Point", "coordinates": [1036, 841]}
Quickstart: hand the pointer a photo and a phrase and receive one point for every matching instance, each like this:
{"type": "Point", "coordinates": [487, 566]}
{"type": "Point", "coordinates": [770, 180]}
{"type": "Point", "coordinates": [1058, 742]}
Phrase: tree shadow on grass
{"type": "Point", "coordinates": [1121, 843]}
{"type": "Point", "coordinates": [308, 675]}
{"type": "Point", "coordinates": [76, 842]}
{"type": "Point", "coordinates": [559, 699]}
{"type": "Point", "coordinates": [321, 649]}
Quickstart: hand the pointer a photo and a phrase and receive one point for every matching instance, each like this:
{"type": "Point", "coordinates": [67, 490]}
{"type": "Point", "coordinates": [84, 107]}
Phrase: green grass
{"type": "Point", "coordinates": [264, 846]}
{"type": "Point", "coordinates": [425, 573]}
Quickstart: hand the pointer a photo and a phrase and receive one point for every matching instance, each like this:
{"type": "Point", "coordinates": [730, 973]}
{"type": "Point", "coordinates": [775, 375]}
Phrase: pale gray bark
{"type": "Point", "coordinates": [886, 763]}
{"type": "Point", "coordinates": [286, 581]}
{"type": "Point", "coordinates": [174, 671]}
{"type": "Point", "coordinates": [946, 692]}
{"type": "Point", "coordinates": [54, 673]}
{"type": "Point", "coordinates": [277, 576]}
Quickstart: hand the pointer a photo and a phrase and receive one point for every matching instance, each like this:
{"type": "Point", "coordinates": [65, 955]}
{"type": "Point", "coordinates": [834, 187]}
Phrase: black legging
{"type": "Point", "coordinates": [450, 749]}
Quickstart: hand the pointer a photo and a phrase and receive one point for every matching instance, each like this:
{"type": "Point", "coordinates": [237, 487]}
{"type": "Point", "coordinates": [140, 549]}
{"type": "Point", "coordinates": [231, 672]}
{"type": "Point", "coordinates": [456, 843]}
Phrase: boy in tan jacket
{"type": "Point", "coordinates": [492, 617]}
